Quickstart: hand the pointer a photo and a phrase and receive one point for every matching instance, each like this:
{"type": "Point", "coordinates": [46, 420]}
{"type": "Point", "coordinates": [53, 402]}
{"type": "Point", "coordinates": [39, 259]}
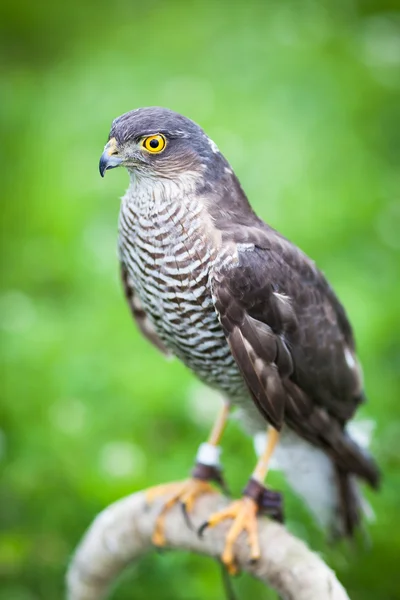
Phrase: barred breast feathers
{"type": "Point", "coordinates": [168, 243]}
{"type": "Point", "coordinates": [174, 202]}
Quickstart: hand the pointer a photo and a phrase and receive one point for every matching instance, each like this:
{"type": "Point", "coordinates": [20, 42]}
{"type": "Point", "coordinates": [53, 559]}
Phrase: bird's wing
{"type": "Point", "coordinates": [293, 344]}
{"type": "Point", "coordinates": [254, 335]}
{"type": "Point", "coordinates": [286, 329]}
{"type": "Point", "coordinates": [138, 313]}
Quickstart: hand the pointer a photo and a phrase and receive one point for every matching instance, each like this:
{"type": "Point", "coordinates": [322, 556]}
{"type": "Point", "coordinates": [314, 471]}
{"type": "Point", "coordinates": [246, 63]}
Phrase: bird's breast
{"type": "Point", "coordinates": [169, 257]}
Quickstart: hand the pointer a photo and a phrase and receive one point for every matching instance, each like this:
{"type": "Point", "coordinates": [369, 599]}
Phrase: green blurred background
{"type": "Point", "coordinates": [303, 98]}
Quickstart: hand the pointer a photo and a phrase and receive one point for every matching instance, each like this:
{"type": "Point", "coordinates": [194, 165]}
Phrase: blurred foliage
{"type": "Point", "coordinates": [303, 98]}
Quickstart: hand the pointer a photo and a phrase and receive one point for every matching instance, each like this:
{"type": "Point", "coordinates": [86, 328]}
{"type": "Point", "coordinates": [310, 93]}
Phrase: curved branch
{"type": "Point", "coordinates": [122, 533]}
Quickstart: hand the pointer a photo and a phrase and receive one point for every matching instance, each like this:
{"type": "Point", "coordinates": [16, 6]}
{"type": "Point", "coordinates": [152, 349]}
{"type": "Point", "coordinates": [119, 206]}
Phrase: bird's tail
{"type": "Point", "coordinates": [330, 488]}
{"type": "Point", "coordinates": [351, 503]}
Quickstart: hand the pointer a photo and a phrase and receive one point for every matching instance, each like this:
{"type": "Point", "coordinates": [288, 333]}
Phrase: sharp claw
{"type": "Point", "coordinates": [232, 569]}
{"type": "Point", "coordinates": [184, 493]}
{"type": "Point", "coordinates": [202, 528]}
{"type": "Point", "coordinates": [186, 516]}
{"type": "Point", "coordinates": [158, 539]}
{"type": "Point", "coordinates": [255, 557]}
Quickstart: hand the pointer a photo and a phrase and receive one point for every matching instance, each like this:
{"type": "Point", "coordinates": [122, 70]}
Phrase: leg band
{"type": "Point", "coordinates": [269, 503]}
{"type": "Point", "coordinates": [207, 466]}
{"type": "Point", "coordinates": [208, 454]}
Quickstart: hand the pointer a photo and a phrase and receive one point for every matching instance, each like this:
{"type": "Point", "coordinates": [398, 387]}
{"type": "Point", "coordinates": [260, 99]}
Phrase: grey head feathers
{"type": "Point", "coordinates": [154, 119]}
{"type": "Point", "coordinates": [187, 145]}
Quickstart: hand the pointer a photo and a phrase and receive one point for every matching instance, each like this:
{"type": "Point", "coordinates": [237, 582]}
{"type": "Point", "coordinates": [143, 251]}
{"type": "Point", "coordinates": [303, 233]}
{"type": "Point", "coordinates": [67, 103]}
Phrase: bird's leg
{"type": "Point", "coordinates": [262, 466]}
{"type": "Point", "coordinates": [256, 500]}
{"type": "Point", "coordinates": [207, 468]}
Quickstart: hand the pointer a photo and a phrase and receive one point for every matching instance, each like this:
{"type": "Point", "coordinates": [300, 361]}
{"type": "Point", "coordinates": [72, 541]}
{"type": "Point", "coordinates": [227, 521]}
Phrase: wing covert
{"type": "Point", "coordinates": [254, 320]}
{"type": "Point", "coordinates": [284, 323]}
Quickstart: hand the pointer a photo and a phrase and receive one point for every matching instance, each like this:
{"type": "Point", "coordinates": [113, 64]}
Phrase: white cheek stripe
{"type": "Point", "coordinates": [207, 454]}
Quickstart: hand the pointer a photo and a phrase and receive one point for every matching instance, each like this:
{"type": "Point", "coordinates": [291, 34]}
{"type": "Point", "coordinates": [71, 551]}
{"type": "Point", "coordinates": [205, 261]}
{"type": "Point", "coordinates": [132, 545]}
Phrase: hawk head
{"type": "Point", "coordinates": [159, 143]}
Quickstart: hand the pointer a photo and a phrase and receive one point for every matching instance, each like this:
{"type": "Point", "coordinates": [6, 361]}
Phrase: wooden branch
{"type": "Point", "coordinates": [122, 533]}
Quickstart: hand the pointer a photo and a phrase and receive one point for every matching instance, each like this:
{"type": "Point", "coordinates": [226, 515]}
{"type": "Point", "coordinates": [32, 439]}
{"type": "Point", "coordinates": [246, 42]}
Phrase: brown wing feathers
{"type": "Point", "coordinates": [260, 354]}
{"type": "Point", "coordinates": [316, 425]}
{"type": "Point", "coordinates": [279, 342]}
{"type": "Point", "coordinates": [259, 371]}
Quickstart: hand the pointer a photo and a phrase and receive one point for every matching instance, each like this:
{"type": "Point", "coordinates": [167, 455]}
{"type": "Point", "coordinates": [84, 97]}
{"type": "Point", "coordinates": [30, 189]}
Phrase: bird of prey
{"type": "Point", "coordinates": [249, 313]}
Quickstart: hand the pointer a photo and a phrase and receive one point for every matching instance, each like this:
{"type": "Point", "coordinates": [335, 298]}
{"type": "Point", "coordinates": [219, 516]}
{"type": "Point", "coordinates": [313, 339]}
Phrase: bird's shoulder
{"type": "Point", "coordinates": [258, 261]}
{"type": "Point", "coordinates": [259, 273]}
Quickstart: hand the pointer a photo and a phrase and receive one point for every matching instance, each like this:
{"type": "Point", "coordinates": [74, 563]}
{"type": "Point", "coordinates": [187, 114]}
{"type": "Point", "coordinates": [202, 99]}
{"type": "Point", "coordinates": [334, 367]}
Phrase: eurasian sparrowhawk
{"type": "Point", "coordinates": [247, 311]}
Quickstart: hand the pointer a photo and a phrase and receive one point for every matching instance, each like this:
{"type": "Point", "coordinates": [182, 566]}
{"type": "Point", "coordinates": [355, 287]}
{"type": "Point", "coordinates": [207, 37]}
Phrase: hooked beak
{"type": "Point", "coordinates": [109, 159]}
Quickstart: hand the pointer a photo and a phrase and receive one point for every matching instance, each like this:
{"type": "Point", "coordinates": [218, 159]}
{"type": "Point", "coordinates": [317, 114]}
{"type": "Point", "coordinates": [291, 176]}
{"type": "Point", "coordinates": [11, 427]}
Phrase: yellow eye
{"type": "Point", "coordinates": [154, 143]}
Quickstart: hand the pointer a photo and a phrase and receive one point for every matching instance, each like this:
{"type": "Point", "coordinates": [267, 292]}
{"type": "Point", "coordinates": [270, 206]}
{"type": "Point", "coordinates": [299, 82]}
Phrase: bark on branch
{"type": "Point", "coordinates": [122, 533]}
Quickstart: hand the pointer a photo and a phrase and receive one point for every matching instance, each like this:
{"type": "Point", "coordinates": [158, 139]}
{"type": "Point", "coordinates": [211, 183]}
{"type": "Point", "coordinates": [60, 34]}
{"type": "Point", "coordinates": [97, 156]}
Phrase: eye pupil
{"type": "Point", "coordinates": [154, 143]}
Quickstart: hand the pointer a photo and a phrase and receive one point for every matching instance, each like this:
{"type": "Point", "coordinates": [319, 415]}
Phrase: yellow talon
{"type": "Point", "coordinates": [185, 492]}
{"type": "Point", "coordinates": [244, 515]}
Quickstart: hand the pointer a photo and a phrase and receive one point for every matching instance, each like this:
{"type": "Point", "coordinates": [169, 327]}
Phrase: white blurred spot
{"type": "Point", "coordinates": [68, 415]}
{"type": "Point", "coordinates": [17, 312]}
{"type": "Point", "coordinates": [361, 431]}
{"type": "Point", "coordinates": [367, 510]}
{"type": "Point", "coordinates": [203, 404]}
{"type": "Point", "coordinates": [245, 247]}
{"type": "Point", "coordinates": [122, 459]}
{"type": "Point", "coordinates": [208, 454]}
{"type": "Point", "coordinates": [351, 363]}
{"type": "Point", "coordinates": [381, 41]}
{"type": "Point", "coordinates": [282, 297]}
{"type": "Point", "coordinates": [260, 442]}
{"type": "Point", "coordinates": [213, 146]}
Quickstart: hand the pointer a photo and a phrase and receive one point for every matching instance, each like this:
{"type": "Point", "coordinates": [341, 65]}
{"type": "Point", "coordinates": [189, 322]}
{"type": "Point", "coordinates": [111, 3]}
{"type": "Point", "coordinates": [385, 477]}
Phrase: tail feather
{"type": "Point", "coordinates": [350, 458]}
{"type": "Point", "coordinates": [356, 461]}
{"type": "Point", "coordinates": [350, 505]}
{"type": "Point", "coordinates": [328, 484]}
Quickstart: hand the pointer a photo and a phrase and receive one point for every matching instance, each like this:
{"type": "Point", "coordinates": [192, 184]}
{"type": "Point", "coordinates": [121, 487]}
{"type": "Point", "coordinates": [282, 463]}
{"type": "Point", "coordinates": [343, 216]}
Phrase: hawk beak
{"type": "Point", "coordinates": [109, 159]}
